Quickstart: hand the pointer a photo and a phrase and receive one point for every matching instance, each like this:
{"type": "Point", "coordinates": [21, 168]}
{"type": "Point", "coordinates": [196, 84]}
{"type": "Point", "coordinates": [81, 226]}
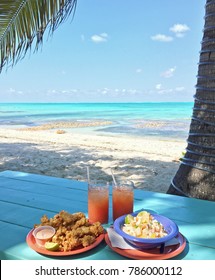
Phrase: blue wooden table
{"type": "Point", "coordinates": [25, 198]}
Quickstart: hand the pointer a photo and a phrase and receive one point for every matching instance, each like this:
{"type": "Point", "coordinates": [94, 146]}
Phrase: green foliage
{"type": "Point", "coordinates": [23, 22]}
{"type": "Point", "coordinates": [183, 154]}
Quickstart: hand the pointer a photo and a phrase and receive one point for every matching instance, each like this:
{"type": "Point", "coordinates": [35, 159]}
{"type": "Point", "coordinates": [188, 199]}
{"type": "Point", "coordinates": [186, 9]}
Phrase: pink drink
{"type": "Point", "coordinates": [98, 202]}
{"type": "Point", "coordinates": [122, 199]}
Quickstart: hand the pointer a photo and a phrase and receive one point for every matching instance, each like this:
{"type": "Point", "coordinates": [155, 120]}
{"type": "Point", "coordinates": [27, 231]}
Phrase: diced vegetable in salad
{"type": "Point", "coordinates": [143, 226]}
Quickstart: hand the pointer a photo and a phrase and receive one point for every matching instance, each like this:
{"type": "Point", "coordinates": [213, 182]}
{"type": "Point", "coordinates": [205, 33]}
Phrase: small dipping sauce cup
{"type": "Point", "coordinates": [122, 198]}
{"type": "Point", "coordinates": [42, 234]}
{"type": "Point", "coordinates": [98, 202]}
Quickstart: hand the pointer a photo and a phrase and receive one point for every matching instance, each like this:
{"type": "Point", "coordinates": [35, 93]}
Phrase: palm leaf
{"type": "Point", "coordinates": [23, 23]}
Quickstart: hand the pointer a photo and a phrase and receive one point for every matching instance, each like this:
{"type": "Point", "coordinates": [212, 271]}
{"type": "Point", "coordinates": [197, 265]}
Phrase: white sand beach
{"type": "Point", "coordinates": [150, 163]}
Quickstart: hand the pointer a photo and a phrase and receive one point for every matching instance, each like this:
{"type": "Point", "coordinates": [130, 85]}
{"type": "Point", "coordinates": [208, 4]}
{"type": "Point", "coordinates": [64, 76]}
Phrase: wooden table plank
{"type": "Point", "coordinates": [42, 179]}
{"type": "Point", "coordinates": [180, 208]}
{"type": "Point", "coordinates": [16, 183]}
{"type": "Point", "coordinates": [44, 197]}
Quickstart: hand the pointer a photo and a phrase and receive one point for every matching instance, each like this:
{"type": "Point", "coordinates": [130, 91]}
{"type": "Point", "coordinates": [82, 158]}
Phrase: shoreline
{"type": "Point", "coordinates": [152, 129]}
{"type": "Point", "coordinates": [150, 163]}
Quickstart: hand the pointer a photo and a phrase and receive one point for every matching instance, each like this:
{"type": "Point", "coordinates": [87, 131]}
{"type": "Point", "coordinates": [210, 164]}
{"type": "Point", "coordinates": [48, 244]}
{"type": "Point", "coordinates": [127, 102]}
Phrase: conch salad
{"type": "Point", "coordinates": [143, 226]}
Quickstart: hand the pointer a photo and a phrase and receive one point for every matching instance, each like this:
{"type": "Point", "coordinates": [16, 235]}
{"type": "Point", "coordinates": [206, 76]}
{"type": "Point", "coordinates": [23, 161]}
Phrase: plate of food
{"type": "Point", "coordinates": [145, 236]}
{"type": "Point", "coordinates": [65, 234]}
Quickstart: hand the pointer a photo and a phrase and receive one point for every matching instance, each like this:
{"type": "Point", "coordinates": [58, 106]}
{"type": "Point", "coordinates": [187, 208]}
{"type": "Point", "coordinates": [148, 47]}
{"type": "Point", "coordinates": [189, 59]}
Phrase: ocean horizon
{"type": "Point", "coordinates": [153, 119]}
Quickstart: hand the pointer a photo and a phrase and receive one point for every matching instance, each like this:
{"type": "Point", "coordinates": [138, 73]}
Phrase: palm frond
{"type": "Point", "coordinates": [23, 23]}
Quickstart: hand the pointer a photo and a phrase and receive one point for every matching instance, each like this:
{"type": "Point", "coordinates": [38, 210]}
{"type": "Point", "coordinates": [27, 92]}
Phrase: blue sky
{"type": "Point", "coordinates": [114, 51]}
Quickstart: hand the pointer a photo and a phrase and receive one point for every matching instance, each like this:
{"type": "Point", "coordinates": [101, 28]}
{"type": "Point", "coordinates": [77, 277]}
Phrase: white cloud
{"type": "Point", "coordinates": [161, 90]}
{"type": "Point", "coordinates": [168, 73]}
{"type": "Point", "coordinates": [99, 38]}
{"type": "Point", "coordinates": [14, 92]}
{"type": "Point", "coordinates": [162, 38]}
{"type": "Point", "coordinates": [158, 87]}
{"type": "Point", "coordinates": [179, 88]}
{"type": "Point", "coordinates": [139, 70]}
{"type": "Point", "coordinates": [11, 90]}
{"type": "Point", "coordinates": [179, 29]}
{"type": "Point", "coordinates": [74, 90]}
{"type": "Point", "coordinates": [166, 91]}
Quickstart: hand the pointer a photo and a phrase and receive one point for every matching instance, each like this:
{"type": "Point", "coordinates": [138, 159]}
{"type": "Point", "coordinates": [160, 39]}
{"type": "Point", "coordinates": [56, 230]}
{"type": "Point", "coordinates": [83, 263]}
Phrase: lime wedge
{"type": "Point", "coordinates": [51, 246]}
{"type": "Point", "coordinates": [144, 216]}
{"type": "Point", "coordinates": [128, 219]}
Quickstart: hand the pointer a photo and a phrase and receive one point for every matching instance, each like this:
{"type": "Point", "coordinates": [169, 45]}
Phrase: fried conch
{"type": "Point", "coordinates": [72, 230]}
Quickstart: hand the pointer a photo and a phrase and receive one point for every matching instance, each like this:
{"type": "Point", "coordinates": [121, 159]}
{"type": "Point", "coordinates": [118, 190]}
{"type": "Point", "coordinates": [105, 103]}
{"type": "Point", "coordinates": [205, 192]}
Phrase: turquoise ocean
{"type": "Point", "coordinates": [170, 119]}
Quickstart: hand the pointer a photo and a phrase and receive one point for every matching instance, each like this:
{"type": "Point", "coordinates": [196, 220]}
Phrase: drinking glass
{"type": "Point", "coordinates": [122, 198]}
{"type": "Point", "coordinates": [98, 202]}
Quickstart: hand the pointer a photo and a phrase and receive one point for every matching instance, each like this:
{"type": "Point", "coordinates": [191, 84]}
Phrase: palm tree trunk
{"type": "Point", "coordinates": [196, 174]}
